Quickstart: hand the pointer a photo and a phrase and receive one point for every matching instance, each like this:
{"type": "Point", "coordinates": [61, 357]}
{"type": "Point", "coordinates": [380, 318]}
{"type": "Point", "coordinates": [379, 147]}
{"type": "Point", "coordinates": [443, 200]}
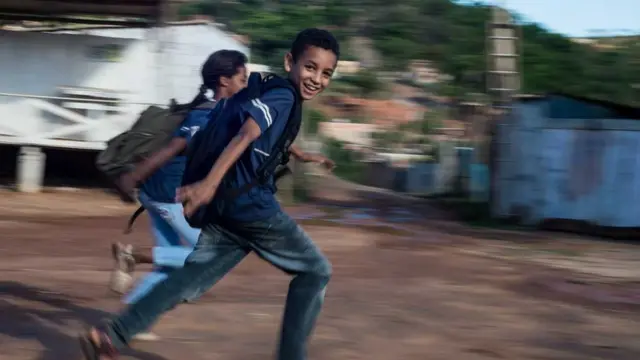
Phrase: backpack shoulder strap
{"type": "Point", "coordinates": [254, 85]}
{"type": "Point", "coordinates": [207, 105]}
{"type": "Point", "coordinates": [280, 153]}
{"type": "Point", "coordinates": [290, 131]}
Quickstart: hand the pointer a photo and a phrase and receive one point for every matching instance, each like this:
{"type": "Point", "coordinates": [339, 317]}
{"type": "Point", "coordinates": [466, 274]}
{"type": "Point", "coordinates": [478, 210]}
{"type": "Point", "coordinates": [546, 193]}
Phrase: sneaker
{"type": "Point", "coordinates": [146, 336]}
{"type": "Point", "coordinates": [121, 276]}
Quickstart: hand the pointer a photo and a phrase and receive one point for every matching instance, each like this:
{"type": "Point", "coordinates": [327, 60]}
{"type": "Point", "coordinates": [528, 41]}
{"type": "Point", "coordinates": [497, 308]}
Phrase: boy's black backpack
{"type": "Point", "coordinates": [204, 148]}
{"type": "Point", "coordinates": [150, 132]}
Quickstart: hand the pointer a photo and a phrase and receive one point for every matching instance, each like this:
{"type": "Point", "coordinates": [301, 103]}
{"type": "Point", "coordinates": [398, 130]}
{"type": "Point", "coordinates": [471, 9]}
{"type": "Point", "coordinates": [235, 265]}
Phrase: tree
{"type": "Point", "coordinates": [312, 120]}
{"type": "Point", "coordinates": [340, 15]}
{"type": "Point", "coordinates": [366, 81]}
{"type": "Point", "coordinates": [431, 121]}
{"type": "Point", "coordinates": [388, 139]}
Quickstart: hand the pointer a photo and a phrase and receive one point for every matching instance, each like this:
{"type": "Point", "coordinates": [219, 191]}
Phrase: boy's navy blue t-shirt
{"type": "Point", "coordinates": [271, 113]}
{"type": "Point", "coordinates": [161, 186]}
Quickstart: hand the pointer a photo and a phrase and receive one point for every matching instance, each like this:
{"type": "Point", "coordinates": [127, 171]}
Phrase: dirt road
{"type": "Point", "coordinates": [404, 288]}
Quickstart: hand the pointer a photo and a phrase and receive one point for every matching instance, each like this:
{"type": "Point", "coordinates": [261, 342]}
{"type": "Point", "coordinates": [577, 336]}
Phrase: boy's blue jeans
{"type": "Point", "coordinates": [278, 240]}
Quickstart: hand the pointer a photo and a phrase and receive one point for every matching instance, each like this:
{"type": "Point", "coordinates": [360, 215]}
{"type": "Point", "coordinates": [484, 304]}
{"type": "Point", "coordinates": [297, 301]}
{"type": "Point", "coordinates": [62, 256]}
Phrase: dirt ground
{"type": "Point", "coordinates": [406, 286]}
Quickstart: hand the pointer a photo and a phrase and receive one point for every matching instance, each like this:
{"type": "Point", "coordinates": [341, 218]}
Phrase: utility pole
{"type": "Point", "coordinates": [503, 83]}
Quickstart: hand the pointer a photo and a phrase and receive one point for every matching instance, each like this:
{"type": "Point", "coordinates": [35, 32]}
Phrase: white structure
{"type": "Point", "coordinates": [352, 133]}
{"type": "Point", "coordinates": [79, 87]}
{"type": "Point", "coordinates": [251, 67]}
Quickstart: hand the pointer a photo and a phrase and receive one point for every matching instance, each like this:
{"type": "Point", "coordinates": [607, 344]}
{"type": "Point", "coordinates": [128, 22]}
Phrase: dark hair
{"type": "Point", "coordinates": [314, 37]}
{"type": "Point", "coordinates": [220, 63]}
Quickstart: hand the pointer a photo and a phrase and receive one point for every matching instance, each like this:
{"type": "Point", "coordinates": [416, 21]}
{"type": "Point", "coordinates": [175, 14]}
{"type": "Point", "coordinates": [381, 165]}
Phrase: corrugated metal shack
{"type": "Point", "coordinates": [561, 157]}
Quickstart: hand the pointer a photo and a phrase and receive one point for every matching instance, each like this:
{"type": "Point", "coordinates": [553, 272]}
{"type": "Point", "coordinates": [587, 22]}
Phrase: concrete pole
{"type": "Point", "coordinates": [504, 81]}
{"type": "Point", "coordinates": [30, 169]}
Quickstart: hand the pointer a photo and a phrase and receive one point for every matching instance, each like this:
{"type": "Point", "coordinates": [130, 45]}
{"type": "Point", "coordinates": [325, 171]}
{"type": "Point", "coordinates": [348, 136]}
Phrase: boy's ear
{"type": "Point", "coordinates": [288, 62]}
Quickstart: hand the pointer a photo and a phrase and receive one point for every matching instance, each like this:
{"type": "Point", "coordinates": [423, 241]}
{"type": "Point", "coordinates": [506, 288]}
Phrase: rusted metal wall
{"type": "Point", "coordinates": [562, 168]}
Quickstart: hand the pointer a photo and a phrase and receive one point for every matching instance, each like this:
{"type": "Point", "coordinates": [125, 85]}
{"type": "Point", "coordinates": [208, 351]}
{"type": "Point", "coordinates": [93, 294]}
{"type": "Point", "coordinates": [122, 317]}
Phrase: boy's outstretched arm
{"type": "Point", "coordinates": [199, 194]}
{"type": "Point", "coordinates": [306, 157]}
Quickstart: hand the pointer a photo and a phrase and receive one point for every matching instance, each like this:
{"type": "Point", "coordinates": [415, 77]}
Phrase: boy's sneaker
{"type": "Point", "coordinates": [146, 336]}
{"type": "Point", "coordinates": [121, 277]}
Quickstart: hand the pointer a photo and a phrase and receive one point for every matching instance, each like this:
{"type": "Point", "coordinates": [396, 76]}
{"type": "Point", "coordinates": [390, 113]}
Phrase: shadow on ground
{"type": "Point", "coordinates": [52, 319]}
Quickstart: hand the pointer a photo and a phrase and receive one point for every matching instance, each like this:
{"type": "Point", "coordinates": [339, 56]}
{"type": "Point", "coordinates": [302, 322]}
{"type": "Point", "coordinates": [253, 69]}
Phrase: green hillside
{"type": "Point", "coordinates": [451, 35]}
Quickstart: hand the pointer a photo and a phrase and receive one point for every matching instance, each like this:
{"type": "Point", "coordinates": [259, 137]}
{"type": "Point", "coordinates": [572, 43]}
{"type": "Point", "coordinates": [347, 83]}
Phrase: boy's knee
{"type": "Point", "coordinates": [324, 270]}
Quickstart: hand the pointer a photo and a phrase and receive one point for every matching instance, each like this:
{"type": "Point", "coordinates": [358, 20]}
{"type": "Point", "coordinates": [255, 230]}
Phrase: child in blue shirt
{"type": "Point", "coordinates": [251, 222]}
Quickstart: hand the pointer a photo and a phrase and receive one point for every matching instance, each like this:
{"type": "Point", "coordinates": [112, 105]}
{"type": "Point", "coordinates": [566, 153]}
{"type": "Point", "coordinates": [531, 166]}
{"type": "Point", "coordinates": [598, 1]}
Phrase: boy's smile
{"type": "Point", "coordinates": [312, 71]}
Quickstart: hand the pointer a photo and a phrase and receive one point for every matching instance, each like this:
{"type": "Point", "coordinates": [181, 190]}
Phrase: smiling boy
{"type": "Point", "coordinates": [251, 222]}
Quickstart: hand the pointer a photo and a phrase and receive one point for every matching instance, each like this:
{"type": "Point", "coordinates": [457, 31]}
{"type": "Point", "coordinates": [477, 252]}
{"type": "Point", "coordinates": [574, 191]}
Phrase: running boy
{"type": "Point", "coordinates": [251, 222]}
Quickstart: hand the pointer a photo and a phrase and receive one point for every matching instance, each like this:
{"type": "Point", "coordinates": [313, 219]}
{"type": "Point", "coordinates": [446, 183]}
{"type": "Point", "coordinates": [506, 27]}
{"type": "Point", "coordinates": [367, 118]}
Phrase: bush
{"type": "Point", "coordinates": [387, 139]}
{"type": "Point", "coordinates": [312, 120]}
{"type": "Point", "coordinates": [349, 165]}
{"type": "Point", "coordinates": [431, 121]}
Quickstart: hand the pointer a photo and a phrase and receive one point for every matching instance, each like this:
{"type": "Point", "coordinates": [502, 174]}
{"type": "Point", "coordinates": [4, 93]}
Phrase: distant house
{"type": "Point", "coordinates": [383, 113]}
{"type": "Point", "coordinates": [352, 133]}
{"type": "Point", "coordinates": [425, 72]}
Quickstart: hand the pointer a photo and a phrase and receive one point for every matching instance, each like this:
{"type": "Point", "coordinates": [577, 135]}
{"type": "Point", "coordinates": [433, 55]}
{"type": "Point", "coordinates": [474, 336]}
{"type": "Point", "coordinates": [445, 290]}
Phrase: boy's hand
{"type": "Point", "coordinates": [195, 196]}
{"type": "Point", "coordinates": [326, 162]}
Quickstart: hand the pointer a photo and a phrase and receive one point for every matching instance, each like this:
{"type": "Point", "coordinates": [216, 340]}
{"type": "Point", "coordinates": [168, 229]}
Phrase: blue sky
{"type": "Point", "coordinates": [577, 17]}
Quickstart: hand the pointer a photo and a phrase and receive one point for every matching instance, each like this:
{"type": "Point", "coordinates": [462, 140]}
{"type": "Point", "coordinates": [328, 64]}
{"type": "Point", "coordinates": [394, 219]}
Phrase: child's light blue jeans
{"type": "Point", "coordinates": [168, 227]}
